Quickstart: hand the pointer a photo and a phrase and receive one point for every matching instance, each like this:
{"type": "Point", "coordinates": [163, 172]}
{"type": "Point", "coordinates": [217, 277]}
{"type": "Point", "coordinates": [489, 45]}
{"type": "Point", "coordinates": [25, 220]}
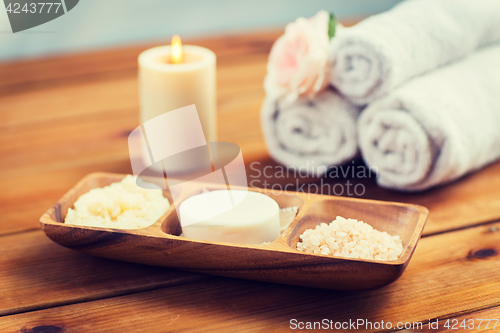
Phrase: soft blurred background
{"type": "Point", "coordinates": [97, 24]}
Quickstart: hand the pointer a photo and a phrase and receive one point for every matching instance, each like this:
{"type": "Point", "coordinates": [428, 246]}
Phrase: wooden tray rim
{"type": "Point", "coordinates": [154, 230]}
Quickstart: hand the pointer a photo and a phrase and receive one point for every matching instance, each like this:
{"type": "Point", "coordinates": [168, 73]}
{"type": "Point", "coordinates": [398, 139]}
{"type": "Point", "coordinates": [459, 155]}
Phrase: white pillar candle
{"type": "Point", "coordinates": [210, 216]}
{"type": "Point", "coordinates": [165, 86]}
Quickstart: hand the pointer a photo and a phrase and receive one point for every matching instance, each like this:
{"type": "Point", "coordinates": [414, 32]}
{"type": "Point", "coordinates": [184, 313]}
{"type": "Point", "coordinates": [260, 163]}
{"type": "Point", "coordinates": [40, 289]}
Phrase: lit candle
{"type": "Point", "coordinates": [174, 76]}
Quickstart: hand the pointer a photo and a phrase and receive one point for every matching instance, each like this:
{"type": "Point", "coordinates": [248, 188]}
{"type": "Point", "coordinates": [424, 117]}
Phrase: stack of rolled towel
{"type": "Point", "coordinates": [415, 89]}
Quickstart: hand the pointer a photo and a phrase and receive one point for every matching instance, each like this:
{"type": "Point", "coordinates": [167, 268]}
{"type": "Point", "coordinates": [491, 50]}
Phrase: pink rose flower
{"type": "Point", "coordinates": [298, 62]}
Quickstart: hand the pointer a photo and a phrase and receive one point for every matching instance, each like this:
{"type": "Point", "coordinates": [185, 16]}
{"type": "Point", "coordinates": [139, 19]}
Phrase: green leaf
{"type": "Point", "coordinates": [332, 24]}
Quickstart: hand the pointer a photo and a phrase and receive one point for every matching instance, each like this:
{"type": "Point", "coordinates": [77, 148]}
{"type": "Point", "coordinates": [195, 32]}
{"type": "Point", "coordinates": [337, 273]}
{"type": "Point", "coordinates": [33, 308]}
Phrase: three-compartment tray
{"type": "Point", "coordinates": [161, 244]}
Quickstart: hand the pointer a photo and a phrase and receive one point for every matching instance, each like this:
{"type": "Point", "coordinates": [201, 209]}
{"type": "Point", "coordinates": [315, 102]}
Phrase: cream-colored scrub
{"type": "Point", "coordinates": [122, 205]}
{"type": "Point", "coordinates": [254, 220]}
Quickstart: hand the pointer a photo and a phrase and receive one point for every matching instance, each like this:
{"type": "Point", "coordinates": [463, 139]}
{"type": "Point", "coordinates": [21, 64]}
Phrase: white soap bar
{"type": "Point", "coordinates": [213, 216]}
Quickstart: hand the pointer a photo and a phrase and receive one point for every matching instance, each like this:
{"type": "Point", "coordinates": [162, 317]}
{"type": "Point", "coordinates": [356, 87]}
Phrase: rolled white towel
{"type": "Point", "coordinates": [311, 134]}
{"type": "Point", "coordinates": [380, 53]}
{"type": "Point", "coordinates": [437, 127]}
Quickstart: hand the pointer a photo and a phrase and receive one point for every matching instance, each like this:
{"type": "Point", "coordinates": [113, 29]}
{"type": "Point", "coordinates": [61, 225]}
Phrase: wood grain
{"type": "Point", "coordinates": [37, 274]}
{"type": "Point", "coordinates": [477, 321]}
{"type": "Point", "coordinates": [450, 274]}
{"type": "Point", "coordinates": [54, 71]}
{"type": "Point", "coordinates": [64, 117]}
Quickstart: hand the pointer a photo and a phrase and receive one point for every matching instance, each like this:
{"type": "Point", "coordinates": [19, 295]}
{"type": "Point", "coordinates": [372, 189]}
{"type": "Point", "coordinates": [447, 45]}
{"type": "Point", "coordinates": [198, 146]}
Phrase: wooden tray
{"type": "Point", "coordinates": [279, 261]}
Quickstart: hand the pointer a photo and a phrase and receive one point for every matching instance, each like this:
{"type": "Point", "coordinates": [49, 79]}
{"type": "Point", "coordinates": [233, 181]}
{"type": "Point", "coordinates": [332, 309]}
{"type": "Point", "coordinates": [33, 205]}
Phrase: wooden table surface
{"type": "Point", "coordinates": [62, 118]}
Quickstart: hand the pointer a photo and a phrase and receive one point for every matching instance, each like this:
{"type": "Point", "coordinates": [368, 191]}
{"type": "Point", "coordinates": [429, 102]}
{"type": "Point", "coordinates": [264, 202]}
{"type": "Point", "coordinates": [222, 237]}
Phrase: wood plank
{"type": "Point", "coordinates": [477, 321]}
{"type": "Point", "coordinates": [31, 74]}
{"type": "Point", "coordinates": [52, 103]}
{"type": "Point", "coordinates": [37, 273]}
{"type": "Point", "coordinates": [451, 274]}
{"type": "Point", "coordinates": [47, 106]}
{"type": "Point", "coordinates": [474, 199]}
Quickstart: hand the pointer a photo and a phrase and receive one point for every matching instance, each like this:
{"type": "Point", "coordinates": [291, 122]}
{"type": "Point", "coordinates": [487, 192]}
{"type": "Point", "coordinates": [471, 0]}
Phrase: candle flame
{"type": "Point", "coordinates": [176, 55]}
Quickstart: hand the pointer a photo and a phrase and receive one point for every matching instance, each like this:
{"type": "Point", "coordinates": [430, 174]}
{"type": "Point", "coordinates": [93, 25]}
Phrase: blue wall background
{"type": "Point", "coordinates": [97, 24]}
